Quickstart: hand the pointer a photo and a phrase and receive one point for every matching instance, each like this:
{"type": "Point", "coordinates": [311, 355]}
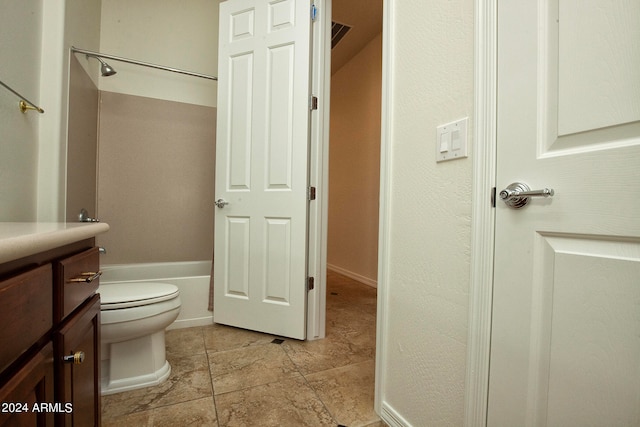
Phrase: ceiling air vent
{"type": "Point", "coordinates": [338, 31]}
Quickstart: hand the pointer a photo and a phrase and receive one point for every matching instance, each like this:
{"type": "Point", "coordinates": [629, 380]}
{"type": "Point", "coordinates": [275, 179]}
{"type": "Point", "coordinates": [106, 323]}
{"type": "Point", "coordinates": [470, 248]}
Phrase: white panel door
{"type": "Point", "coordinates": [565, 345]}
{"type": "Point", "coordinates": [262, 166]}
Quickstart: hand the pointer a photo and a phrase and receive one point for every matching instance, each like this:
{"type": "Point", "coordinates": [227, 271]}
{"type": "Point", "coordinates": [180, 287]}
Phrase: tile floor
{"type": "Point", "coordinates": [223, 376]}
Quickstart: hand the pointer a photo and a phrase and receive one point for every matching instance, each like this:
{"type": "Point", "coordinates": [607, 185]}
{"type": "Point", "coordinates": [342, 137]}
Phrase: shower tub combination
{"type": "Point", "coordinates": [191, 277]}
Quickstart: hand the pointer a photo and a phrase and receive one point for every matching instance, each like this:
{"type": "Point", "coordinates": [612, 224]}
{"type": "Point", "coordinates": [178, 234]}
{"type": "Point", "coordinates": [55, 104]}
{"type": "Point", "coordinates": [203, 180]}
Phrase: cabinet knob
{"type": "Point", "coordinates": [75, 358]}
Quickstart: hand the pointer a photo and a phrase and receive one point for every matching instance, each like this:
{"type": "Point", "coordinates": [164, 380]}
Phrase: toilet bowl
{"type": "Point", "coordinates": [133, 317]}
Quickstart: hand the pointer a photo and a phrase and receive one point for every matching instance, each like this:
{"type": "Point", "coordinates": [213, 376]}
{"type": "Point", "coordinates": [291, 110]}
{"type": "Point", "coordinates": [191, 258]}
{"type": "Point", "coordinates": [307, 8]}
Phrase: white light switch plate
{"type": "Point", "coordinates": [451, 140]}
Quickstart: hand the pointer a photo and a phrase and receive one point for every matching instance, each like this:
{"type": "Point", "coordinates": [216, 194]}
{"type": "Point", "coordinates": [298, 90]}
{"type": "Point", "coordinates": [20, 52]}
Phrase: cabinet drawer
{"type": "Point", "coordinates": [25, 312]}
{"type": "Point", "coordinates": [74, 283]}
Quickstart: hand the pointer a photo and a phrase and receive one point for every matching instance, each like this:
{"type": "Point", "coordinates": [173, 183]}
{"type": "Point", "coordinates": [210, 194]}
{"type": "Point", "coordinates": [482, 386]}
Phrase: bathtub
{"type": "Point", "coordinates": [191, 278]}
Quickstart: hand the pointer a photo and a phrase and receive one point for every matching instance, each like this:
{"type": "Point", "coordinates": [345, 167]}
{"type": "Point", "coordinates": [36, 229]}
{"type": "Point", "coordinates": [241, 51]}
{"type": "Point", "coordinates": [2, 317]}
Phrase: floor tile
{"type": "Point", "coordinates": [223, 376]}
{"type": "Point", "coordinates": [331, 352]}
{"type": "Point", "coordinates": [189, 380]}
{"type": "Point", "coordinates": [199, 412]}
{"type": "Point", "coordinates": [348, 393]}
{"type": "Point", "coordinates": [138, 419]}
{"type": "Point", "coordinates": [249, 366]}
{"type": "Point", "coordinates": [185, 342]}
{"type": "Point", "coordinates": [353, 326]}
{"type": "Point", "coordinates": [220, 338]}
{"type": "Point", "coordinates": [341, 289]}
{"type": "Point", "coordinates": [287, 403]}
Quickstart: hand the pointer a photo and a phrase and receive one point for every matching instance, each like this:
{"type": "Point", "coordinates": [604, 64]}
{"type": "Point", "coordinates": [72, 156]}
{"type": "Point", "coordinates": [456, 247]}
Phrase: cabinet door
{"type": "Point", "coordinates": [21, 397]}
{"type": "Point", "coordinates": [25, 312]}
{"type": "Point", "coordinates": [79, 383]}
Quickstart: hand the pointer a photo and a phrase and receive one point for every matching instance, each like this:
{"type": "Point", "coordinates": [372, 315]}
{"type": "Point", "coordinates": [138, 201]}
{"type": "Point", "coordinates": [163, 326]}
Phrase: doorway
{"type": "Point", "coordinates": [354, 181]}
{"type": "Point", "coordinates": [354, 148]}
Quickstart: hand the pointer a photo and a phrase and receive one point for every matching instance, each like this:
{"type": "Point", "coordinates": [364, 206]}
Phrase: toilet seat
{"type": "Point", "coordinates": [115, 296]}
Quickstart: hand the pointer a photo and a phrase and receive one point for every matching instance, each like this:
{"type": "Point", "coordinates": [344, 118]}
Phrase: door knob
{"type": "Point", "coordinates": [221, 203]}
{"type": "Point", "coordinates": [518, 194]}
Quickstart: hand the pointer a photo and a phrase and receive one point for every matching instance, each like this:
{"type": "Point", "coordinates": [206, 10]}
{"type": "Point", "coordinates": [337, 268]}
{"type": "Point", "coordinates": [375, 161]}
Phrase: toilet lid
{"type": "Point", "coordinates": [132, 294]}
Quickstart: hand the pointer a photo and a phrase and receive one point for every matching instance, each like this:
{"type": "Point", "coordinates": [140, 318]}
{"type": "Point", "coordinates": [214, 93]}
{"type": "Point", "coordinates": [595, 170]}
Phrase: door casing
{"type": "Point", "coordinates": [483, 213]}
{"type": "Point", "coordinates": [319, 170]}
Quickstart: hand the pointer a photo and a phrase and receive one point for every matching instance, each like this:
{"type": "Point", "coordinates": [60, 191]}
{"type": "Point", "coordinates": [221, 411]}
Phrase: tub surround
{"type": "Point", "coordinates": [22, 239]}
{"type": "Point", "coordinates": [156, 162]}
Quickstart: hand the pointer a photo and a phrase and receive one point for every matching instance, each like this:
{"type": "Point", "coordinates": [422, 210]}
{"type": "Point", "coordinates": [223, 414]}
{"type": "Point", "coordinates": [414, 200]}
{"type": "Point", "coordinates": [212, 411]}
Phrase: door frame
{"type": "Point", "coordinates": [384, 214]}
{"type": "Point", "coordinates": [319, 170]}
{"type": "Point", "coordinates": [483, 213]}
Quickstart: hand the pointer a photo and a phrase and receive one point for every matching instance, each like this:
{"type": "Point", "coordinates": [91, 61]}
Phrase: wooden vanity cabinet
{"type": "Point", "coordinates": [79, 383]}
{"type": "Point", "coordinates": [46, 316]}
{"type": "Point", "coordinates": [31, 384]}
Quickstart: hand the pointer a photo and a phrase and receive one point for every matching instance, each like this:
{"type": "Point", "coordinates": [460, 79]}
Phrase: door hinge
{"type": "Point", "coordinates": [312, 193]}
{"type": "Point", "coordinates": [493, 197]}
{"type": "Point", "coordinates": [313, 103]}
{"type": "Point", "coordinates": [314, 12]}
{"type": "Point", "coordinates": [310, 283]}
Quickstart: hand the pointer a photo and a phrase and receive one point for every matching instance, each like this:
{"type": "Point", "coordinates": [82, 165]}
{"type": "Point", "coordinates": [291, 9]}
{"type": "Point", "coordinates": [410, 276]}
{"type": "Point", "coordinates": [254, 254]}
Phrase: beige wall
{"type": "Point", "coordinates": [34, 146]}
{"type": "Point", "coordinates": [20, 64]}
{"type": "Point", "coordinates": [354, 164]}
{"type": "Point", "coordinates": [82, 142]}
{"type": "Point", "coordinates": [427, 294]}
{"type": "Point", "coordinates": [155, 179]}
{"type": "Point", "coordinates": [65, 24]}
{"type": "Point", "coordinates": [173, 33]}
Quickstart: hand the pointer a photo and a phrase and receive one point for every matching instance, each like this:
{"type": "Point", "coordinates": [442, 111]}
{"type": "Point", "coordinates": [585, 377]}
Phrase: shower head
{"type": "Point", "coordinates": [105, 69]}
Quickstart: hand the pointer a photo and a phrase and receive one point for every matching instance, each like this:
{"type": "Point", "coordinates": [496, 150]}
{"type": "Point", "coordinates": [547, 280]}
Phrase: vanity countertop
{"type": "Point", "coordinates": [21, 239]}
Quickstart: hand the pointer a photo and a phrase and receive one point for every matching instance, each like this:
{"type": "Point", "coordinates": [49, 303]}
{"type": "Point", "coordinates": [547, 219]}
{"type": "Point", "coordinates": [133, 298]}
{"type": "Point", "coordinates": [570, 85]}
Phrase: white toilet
{"type": "Point", "coordinates": [133, 317]}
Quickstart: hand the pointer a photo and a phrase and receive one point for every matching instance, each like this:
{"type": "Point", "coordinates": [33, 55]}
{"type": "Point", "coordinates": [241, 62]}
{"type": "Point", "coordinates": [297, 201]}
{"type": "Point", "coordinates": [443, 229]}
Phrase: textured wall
{"type": "Point", "coordinates": [430, 209]}
{"type": "Point", "coordinates": [173, 33]}
{"type": "Point", "coordinates": [155, 179]}
{"type": "Point", "coordinates": [354, 162]}
{"type": "Point", "coordinates": [20, 65]}
{"type": "Point", "coordinates": [65, 24]}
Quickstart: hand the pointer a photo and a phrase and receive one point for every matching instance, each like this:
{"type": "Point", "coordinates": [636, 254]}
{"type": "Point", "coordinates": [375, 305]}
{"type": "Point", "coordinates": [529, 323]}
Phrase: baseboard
{"type": "Point", "coordinates": [391, 416]}
{"type": "Point", "coordinates": [190, 323]}
{"type": "Point", "coordinates": [355, 276]}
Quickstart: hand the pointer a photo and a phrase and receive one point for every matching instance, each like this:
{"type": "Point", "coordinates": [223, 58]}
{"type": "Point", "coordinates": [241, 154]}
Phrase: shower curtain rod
{"type": "Point", "coordinates": [144, 64]}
